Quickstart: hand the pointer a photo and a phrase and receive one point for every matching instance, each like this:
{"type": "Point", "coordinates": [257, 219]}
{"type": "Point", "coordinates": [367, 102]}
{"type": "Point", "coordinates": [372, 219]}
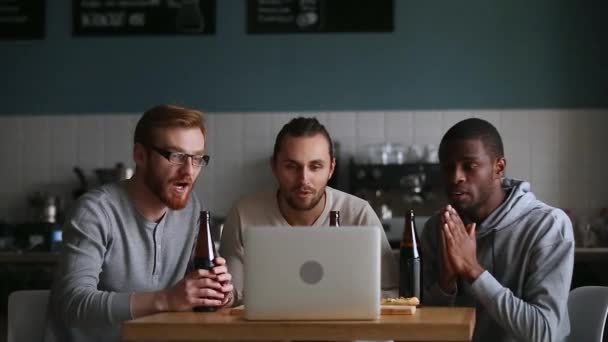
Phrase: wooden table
{"type": "Point", "coordinates": [427, 324]}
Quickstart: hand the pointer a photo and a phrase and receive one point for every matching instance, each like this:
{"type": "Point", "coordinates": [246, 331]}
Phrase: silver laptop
{"type": "Point", "coordinates": [312, 273]}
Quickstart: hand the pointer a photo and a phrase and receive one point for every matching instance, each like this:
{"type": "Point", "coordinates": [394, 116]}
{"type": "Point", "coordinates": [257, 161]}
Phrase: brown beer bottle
{"type": "Point", "coordinates": [409, 260]}
{"type": "Point", "coordinates": [205, 253]}
{"type": "Point", "coordinates": [334, 218]}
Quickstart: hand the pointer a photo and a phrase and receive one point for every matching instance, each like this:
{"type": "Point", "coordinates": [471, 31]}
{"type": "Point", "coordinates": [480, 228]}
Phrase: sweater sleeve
{"type": "Point", "coordinates": [76, 297]}
{"type": "Point", "coordinates": [538, 315]}
{"type": "Point", "coordinates": [233, 250]}
{"type": "Point", "coordinates": [430, 247]}
{"type": "Point", "coordinates": [389, 277]}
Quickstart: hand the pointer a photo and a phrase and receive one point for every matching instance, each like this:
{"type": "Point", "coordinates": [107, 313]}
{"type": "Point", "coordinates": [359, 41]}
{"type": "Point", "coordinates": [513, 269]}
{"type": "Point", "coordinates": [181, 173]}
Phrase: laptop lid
{"type": "Point", "coordinates": [312, 273]}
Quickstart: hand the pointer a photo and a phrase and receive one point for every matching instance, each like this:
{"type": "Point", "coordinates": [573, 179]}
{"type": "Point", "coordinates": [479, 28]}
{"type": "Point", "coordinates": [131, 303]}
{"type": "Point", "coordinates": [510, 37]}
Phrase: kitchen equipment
{"type": "Point", "coordinates": [117, 173]}
{"type": "Point", "coordinates": [393, 188]}
{"type": "Point", "coordinates": [104, 175]}
{"type": "Point", "coordinates": [44, 207]}
{"type": "Point", "coordinates": [386, 153]}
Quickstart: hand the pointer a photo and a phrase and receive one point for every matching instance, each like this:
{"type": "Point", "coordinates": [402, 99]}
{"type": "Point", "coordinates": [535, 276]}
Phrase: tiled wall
{"type": "Point", "coordinates": [560, 151]}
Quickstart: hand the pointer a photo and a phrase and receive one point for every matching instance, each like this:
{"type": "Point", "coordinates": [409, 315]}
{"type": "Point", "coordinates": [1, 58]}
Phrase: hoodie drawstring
{"type": "Point", "coordinates": [493, 249]}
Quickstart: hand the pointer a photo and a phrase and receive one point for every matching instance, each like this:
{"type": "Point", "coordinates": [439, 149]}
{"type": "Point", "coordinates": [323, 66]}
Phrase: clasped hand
{"type": "Point", "coordinates": [459, 250]}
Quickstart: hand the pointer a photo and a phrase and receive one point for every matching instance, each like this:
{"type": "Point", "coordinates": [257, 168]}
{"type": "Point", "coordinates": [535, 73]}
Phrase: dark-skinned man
{"type": "Point", "coordinates": [495, 246]}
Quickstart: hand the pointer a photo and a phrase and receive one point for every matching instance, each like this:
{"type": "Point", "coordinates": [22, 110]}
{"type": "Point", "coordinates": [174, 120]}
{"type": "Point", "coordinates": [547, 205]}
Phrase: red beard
{"type": "Point", "coordinates": [166, 193]}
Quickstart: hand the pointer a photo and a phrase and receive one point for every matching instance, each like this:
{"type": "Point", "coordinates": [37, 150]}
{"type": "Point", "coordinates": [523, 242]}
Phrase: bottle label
{"type": "Point", "coordinates": [410, 280]}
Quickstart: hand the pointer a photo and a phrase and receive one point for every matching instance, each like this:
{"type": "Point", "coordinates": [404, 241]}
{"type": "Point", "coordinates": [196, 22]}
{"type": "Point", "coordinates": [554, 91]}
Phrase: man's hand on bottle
{"type": "Point", "coordinates": [461, 245]}
{"type": "Point", "coordinates": [225, 280]}
{"type": "Point", "coordinates": [200, 288]}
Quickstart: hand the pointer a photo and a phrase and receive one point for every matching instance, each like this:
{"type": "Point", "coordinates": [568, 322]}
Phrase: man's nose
{"type": "Point", "coordinates": [456, 175]}
{"type": "Point", "coordinates": [188, 167]}
{"type": "Point", "coordinates": [303, 174]}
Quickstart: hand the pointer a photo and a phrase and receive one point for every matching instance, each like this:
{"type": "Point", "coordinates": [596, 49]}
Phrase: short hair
{"type": "Point", "coordinates": [302, 127]}
{"type": "Point", "coordinates": [166, 116]}
{"type": "Point", "coordinates": [474, 128]}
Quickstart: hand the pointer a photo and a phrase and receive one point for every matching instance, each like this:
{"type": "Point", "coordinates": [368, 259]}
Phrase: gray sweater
{"type": "Point", "coordinates": [109, 252]}
{"type": "Point", "coordinates": [527, 249]}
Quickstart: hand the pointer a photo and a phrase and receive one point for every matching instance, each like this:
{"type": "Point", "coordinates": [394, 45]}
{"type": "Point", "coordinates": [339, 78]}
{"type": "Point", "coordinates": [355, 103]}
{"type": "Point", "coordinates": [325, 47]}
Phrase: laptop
{"type": "Point", "coordinates": [312, 273]}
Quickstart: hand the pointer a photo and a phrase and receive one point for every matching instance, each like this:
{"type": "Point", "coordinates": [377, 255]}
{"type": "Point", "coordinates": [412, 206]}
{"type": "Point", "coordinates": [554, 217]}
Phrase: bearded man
{"type": "Point", "coordinates": [302, 163]}
{"type": "Point", "coordinates": [128, 245]}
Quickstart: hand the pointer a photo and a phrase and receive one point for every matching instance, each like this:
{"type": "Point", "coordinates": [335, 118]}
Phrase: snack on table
{"type": "Point", "coordinates": [412, 301]}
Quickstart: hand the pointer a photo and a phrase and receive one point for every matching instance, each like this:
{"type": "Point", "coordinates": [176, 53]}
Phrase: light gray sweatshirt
{"type": "Point", "coordinates": [527, 249]}
{"type": "Point", "coordinates": [109, 252]}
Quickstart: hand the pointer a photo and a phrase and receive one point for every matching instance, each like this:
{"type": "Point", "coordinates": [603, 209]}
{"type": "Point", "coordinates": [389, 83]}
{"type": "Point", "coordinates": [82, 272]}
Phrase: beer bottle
{"type": "Point", "coordinates": [334, 218]}
{"type": "Point", "coordinates": [205, 253]}
{"type": "Point", "coordinates": [409, 260]}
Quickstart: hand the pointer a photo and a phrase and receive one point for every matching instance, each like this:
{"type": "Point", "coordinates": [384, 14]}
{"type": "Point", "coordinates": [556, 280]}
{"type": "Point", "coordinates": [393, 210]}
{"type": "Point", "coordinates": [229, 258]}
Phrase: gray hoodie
{"type": "Point", "coordinates": [527, 249]}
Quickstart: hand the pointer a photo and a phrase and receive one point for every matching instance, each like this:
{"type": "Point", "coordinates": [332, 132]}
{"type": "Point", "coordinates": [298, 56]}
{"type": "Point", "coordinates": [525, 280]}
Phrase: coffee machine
{"type": "Point", "coordinates": [393, 189]}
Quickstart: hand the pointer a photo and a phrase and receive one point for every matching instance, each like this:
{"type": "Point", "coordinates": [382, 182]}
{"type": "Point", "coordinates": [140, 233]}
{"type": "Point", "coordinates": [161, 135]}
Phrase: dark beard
{"type": "Point", "coordinates": [313, 203]}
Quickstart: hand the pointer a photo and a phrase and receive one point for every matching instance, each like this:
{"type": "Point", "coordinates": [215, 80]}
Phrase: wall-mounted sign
{"type": "Point", "coordinates": [143, 17]}
{"type": "Point", "coordinates": [22, 19]}
{"type": "Point", "coordinates": [301, 16]}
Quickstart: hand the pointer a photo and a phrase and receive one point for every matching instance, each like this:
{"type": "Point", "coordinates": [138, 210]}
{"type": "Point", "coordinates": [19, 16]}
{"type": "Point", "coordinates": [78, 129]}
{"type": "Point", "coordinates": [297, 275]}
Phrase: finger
{"type": "Point", "coordinates": [448, 235]}
{"type": "Point", "coordinates": [443, 216]}
{"type": "Point", "coordinates": [224, 278]}
{"type": "Point", "coordinates": [455, 231]}
{"type": "Point", "coordinates": [455, 217]}
{"type": "Point", "coordinates": [471, 230]}
{"type": "Point", "coordinates": [206, 302]}
{"type": "Point", "coordinates": [219, 270]}
{"type": "Point", "coordinates": [206, 283]}
{"type": "Point", "coordinates": [219, 261]}
{"type": "Point", "coordinates": [227, 288]}
{"type": "Point", "coordinates": [444, 249]}
{"type": "Point", "coordinates": [210, 294]}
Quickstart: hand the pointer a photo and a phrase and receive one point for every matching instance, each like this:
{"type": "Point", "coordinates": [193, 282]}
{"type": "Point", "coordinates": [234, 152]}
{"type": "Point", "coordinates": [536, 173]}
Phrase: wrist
{"type": "Point", "coordinates": [161, 303]}
{"type": "Point", "coordinates": [473, 273]}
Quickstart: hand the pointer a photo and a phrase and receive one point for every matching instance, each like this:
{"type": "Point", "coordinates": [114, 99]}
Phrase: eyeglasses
{"type": "Point", "coordinates": [180, 158]}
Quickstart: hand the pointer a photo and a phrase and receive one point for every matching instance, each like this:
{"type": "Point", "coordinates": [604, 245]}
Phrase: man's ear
{"type": "Point", "coordinates": [139, 154]}
{"type": "Point", "coordinates": [332, 168]}
{"type": "Point", "coordinates": [499, 167]}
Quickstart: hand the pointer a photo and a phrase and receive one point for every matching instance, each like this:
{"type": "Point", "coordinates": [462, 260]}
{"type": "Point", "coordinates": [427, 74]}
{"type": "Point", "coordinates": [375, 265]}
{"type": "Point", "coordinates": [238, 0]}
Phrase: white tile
{"type": "Point", "coordinates": [370, 126]}
{"type": "Point", "coordinates": [428, 127]}
{"type": "Point", "coordinates": [205, 189]}
{"type": "Point", "coordinates": [36, 150]}
{"type": "Point", "coordinates": [547, 192]}
{"type": "Point", "coordinates": [211, 134]}
{"type": "Point", "coordinates": [257, 125]}
{"type": "Point", "coordinates": [544, 146]}
{"type": "Point", "coordinates": [64, 151]}
{"type": "Point", "coordinates": [342, 124]}
{"type": "Point", "coordinates": [117, 140]}
{"type": "Point", "coordinates": [228, 147]}
{"type": "Point", "coordinates": [514, 126]}
{"type": "Point", "coordinates": [90, 143]}
{"type": "Point", "coordinates": [399, 127]}
{"type": "Point", "coordinates": [518, 161]}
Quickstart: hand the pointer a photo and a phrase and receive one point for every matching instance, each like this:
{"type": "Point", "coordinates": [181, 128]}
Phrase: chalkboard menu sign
{"type": "Point", "coordinates": [143, 17]}
{"type": "Point", "coordinates": [301, 16]}
{"type": "Point", "coordinates": [22, 19]}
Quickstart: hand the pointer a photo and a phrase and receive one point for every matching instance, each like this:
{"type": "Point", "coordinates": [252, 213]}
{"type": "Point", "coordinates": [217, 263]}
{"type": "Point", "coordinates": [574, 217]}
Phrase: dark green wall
{"type": "Point", "coordinates": [442, 55]}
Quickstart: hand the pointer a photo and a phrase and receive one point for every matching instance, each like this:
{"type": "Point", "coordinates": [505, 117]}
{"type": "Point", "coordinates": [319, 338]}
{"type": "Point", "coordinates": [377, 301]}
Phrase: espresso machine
{"type": "Point", "coordinates": [392, 189]}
